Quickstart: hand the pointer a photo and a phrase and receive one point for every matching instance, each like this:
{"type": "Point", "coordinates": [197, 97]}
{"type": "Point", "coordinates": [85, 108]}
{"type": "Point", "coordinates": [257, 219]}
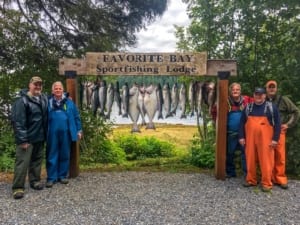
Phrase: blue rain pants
{"type": "Point", "coordinates": [233, 123]}
{"type": "Point", "coordinates": [232, 146]}
{"type": "Point", "coordinates": [58, 146]}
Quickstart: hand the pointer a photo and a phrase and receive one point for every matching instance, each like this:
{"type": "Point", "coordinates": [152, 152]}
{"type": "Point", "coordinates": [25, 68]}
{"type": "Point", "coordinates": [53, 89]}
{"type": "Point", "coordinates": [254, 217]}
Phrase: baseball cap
{"type": "Point", "coordinates": [271, 82]}
{"type": "Point", "coordinates": [36, 79]}
{"type": "Point", "coordinates": [260, 90]}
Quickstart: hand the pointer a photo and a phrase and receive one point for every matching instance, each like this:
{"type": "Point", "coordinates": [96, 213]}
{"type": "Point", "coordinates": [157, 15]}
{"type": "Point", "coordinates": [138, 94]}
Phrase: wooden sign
{"type": "Point", "coordinates": [180, 64]}
{"type": "Point", "coordinates": [146, 63]}
{"type": "Point", "coordinates": [78, 65]}
{"type": "Point", "coordinates": [214, 66]}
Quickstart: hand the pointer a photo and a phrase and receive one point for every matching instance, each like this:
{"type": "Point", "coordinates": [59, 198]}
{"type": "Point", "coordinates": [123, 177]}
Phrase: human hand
{"type": "Point", "coordinates": [24, 146]}
{"type": "Point", "coordinates": [79, 135]}
{"type": "Point", "coordinates": [242, 141]}
{"type": "Point", "coordinates": [284, 127]}
{"type": "Point", "coordinates": [273, 144]}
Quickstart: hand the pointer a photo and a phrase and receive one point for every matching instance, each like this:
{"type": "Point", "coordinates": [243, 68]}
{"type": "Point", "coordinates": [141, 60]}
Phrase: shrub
{"type": "Point", "coordinates": [292, 151]}
{"type": "Point", "coordinates": [152, 148]}
{"type": "Point", "coordinates": [202, 152]}
{"type": "Point", "coordinates": [96, 146]}
{"type": "Point", "coordinates": [7, 146]}
{"type": "Point", "coordinates": [143, 147]}
{"type": "Point", "coordinates": [130, 145]}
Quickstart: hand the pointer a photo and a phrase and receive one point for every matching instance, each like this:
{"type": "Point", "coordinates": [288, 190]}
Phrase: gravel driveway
{"type": "Point", "coordinates": [151, 198]}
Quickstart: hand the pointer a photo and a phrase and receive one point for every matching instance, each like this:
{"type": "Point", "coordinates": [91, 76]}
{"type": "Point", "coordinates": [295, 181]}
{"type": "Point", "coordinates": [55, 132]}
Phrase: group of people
{"type": "Point", "coordinates": [257, 127]}
{"type": "Point", "coordinates": [38, 119]}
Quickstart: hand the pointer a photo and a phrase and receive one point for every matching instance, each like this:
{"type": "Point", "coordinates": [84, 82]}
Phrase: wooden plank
{"type": "Point", "coordinates": [71, 88]}
{"type": "Point", "coordinates": [78, 65]}
{"type": "Point", "coordinates": [181, 64]}
{"type": "Point", "coordinates": [221, 129]}
{"type": "Point", "coordinates": [126, 63]}
{"type": "Point", "coordinates": [216, 65]}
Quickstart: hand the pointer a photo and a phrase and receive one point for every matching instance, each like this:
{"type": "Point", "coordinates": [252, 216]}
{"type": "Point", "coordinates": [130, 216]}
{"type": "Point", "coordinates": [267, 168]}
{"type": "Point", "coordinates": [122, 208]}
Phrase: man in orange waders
{"type": "Point", "coordinates": [259, 133]}
{"type": "Point", "coordinates": [289, 115]}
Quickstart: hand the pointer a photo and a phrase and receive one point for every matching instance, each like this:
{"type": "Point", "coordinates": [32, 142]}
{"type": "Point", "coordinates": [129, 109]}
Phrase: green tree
{"type": "Point", "coordinates": [76, 26]}
{"type": "Point", "coordinates": [263, 36]}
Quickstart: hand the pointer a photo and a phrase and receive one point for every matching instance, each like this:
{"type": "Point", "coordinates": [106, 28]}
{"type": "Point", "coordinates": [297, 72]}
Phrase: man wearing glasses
{"type": "Point", "coordinates": [30, 128]}
{"type": "Point", "coordinates": [289, 115]}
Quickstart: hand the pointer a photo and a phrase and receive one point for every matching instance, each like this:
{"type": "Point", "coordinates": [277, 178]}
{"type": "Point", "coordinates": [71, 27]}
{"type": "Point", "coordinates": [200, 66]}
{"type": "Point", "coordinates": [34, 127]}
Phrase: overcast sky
{"type": "Point", "coordinates": [160, 35]}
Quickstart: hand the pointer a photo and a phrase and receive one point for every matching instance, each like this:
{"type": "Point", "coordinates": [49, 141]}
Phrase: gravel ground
{"type": "Point", "coordinates": [151, 198]}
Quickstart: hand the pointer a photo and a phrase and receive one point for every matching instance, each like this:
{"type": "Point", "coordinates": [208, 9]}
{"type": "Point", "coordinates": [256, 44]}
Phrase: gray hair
{"type": "Point", "coordinates": [57, 83]}
{"type": "Point", "coordinates": [234, 84]}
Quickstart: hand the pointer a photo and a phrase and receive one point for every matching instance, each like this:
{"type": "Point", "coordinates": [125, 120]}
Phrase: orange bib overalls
{"type": "Point", "coordinates": [259, 135]}
{"type": "Point", "coordinates": [279, 176]}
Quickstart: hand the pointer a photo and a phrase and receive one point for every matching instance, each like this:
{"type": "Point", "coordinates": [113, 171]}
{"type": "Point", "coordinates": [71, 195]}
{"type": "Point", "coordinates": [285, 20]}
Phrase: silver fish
{"type": "Point", "coordinates": [86, 94]}
{"type": "Point", "coordinates": [89, 92]}
{"type": "Point", "coordinates": [198, 88]}
{"type": "Point", "coordinates": [125, 99]}
{"type": "Point", "coordinates": [117, 97]}
{"type": "Point", "coordinates": [133, 110]}
{"type": "Point", "coordinates": [210, 94]}
{"type": "Point", "coordinates": [174, 98]}
{"type": "Point", "coordinates": [150, 102]}
{"type": "Point", "coordinates": [141, 105]}
{"type": "Point", "coordinates": [160, 101]}
{"type": "Point", "coordinates": [182, 100]}
{"type": "Point", "coordinates": [102, 97]}
{"type": "Point", "coordinates": [191, 98]}
{"type": "Point", "coordinates": [109, 99]}
{"type": "Point", "coordinates": [167, 100]}
{"type": "Point", "coordinates": [95, 98]}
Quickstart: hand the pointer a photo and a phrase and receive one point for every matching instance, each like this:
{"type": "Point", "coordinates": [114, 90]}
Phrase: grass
{"type": "Point", "coordinates": [179, 135]}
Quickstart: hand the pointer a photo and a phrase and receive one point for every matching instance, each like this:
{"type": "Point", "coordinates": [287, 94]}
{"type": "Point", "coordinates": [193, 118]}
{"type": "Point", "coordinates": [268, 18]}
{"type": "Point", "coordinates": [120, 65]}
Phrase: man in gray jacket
{"type": "Point", "coordinates": [30, 128]}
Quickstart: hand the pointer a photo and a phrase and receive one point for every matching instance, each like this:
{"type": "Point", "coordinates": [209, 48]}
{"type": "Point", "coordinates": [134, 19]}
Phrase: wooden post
{"type": "Point", "coordinates": [221, 125]}
{"type": "Point", "coordinates": [71, 83]}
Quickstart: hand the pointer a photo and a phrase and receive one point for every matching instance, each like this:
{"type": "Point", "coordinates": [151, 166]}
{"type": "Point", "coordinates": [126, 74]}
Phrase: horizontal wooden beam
{"type": "Point", "coordinates": [180, 64]}
{"type": "Point", "coordinates": [214, 66]}
{"type": "Point", "coordinates": [68, 64]}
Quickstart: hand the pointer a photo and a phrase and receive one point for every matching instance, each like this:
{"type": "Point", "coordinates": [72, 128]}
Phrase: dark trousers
{"type": "Point", "coordinates": [232, 146]}
{"type": "Point", "coordinates": [29, 160]}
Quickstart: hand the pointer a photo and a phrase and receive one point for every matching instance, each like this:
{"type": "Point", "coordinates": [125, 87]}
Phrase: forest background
{"type": "Point", "coordinates": [263, 36]}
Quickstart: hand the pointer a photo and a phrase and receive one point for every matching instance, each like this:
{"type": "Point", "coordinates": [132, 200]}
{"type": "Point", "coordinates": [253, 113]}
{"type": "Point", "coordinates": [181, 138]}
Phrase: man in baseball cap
{"type": "Point", "coordinates": [36, 79]}
{"type": "Point", "coordinates": [259, 131]}
{"type": "Point", "coordinates": [259, 90]}
{"type": "Point", "coordinates": [271, 83]}
{"type": "Point", "coordinates": [30, 131]}
{"type": "Point", "coordinates": [289, 116]}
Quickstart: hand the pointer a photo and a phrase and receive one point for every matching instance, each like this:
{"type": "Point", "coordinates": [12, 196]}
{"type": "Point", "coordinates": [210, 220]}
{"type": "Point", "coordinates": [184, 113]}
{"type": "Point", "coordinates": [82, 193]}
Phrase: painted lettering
{"type": "Point", "coordinates": [181, 69]}
{"type": "Point", "coordinates": [180, 58]}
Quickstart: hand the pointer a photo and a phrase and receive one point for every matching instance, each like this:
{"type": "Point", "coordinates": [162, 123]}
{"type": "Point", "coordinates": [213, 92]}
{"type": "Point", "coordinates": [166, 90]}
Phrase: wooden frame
{"type": "Point", "coordinates": [202, 67]}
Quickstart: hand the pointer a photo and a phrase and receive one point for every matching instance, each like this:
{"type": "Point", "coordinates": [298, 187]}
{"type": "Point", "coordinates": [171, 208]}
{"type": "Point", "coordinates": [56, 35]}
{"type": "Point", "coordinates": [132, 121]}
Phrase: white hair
{"type": "Point", "coordinates": [57, 83]}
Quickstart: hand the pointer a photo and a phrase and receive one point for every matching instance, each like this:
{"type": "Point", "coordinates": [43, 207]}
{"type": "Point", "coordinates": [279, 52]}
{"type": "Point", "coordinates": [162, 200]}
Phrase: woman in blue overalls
{"type": "Point", "coordinates": [236, 103]}
{"type": "Point", "coordinates": [64, 126]}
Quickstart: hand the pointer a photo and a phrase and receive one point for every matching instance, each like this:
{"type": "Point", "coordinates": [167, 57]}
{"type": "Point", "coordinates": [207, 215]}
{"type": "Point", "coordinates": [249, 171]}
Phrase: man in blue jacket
{"type": "Point", "coordinates": [64, 126]}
